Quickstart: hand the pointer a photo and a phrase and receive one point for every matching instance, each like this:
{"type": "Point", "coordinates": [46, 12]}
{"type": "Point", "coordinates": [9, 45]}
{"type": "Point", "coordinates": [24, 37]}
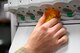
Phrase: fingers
{"type": "Point", "coordinates": [51, 23]}
{"type": "Point", "coordinates": [41, 21]}
{"type": "Point", "coordinates": [63, 40]}
{"type": "Point", "coordinates": [56, 28]}
{"type": "Point", "coordinates": [60, 33]}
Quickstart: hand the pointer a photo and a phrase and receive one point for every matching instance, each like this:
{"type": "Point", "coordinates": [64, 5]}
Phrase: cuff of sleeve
{"type": "Point", "coordinates": [22, 50]}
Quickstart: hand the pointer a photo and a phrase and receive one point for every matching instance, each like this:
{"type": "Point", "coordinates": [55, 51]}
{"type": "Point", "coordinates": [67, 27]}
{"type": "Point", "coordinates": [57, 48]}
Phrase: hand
{"type": "Point", "coordinates": [47, 37]}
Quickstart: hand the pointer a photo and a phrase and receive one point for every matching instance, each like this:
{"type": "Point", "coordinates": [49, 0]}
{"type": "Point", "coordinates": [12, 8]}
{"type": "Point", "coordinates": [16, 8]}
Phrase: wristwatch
{"type": "Point", "coordinates": [22, 50]}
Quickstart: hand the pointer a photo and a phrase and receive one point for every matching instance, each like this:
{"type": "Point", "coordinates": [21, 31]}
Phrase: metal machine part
{"type": "Point", "coordinates": [32, 10]}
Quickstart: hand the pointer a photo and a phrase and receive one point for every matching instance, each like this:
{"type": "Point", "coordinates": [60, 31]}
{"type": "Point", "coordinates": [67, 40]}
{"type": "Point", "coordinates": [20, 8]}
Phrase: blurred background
{"type": "Point", "coordinates": [5, 29]}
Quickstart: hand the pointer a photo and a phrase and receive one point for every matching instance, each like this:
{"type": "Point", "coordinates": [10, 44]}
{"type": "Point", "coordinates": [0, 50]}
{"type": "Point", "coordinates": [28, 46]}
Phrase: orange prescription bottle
{"type": "Point", "coordinates": [51, 13]}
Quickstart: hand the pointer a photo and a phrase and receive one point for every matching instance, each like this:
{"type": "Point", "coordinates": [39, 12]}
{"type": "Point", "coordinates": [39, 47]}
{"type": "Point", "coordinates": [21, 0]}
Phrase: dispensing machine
{"type": "Point", "coordinates": [24, 15]}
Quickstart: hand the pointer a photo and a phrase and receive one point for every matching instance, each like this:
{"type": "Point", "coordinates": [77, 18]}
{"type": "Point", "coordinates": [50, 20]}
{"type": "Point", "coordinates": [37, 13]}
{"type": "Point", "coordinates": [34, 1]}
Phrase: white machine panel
{"type": "Point", "coordinates": [73, 46]}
